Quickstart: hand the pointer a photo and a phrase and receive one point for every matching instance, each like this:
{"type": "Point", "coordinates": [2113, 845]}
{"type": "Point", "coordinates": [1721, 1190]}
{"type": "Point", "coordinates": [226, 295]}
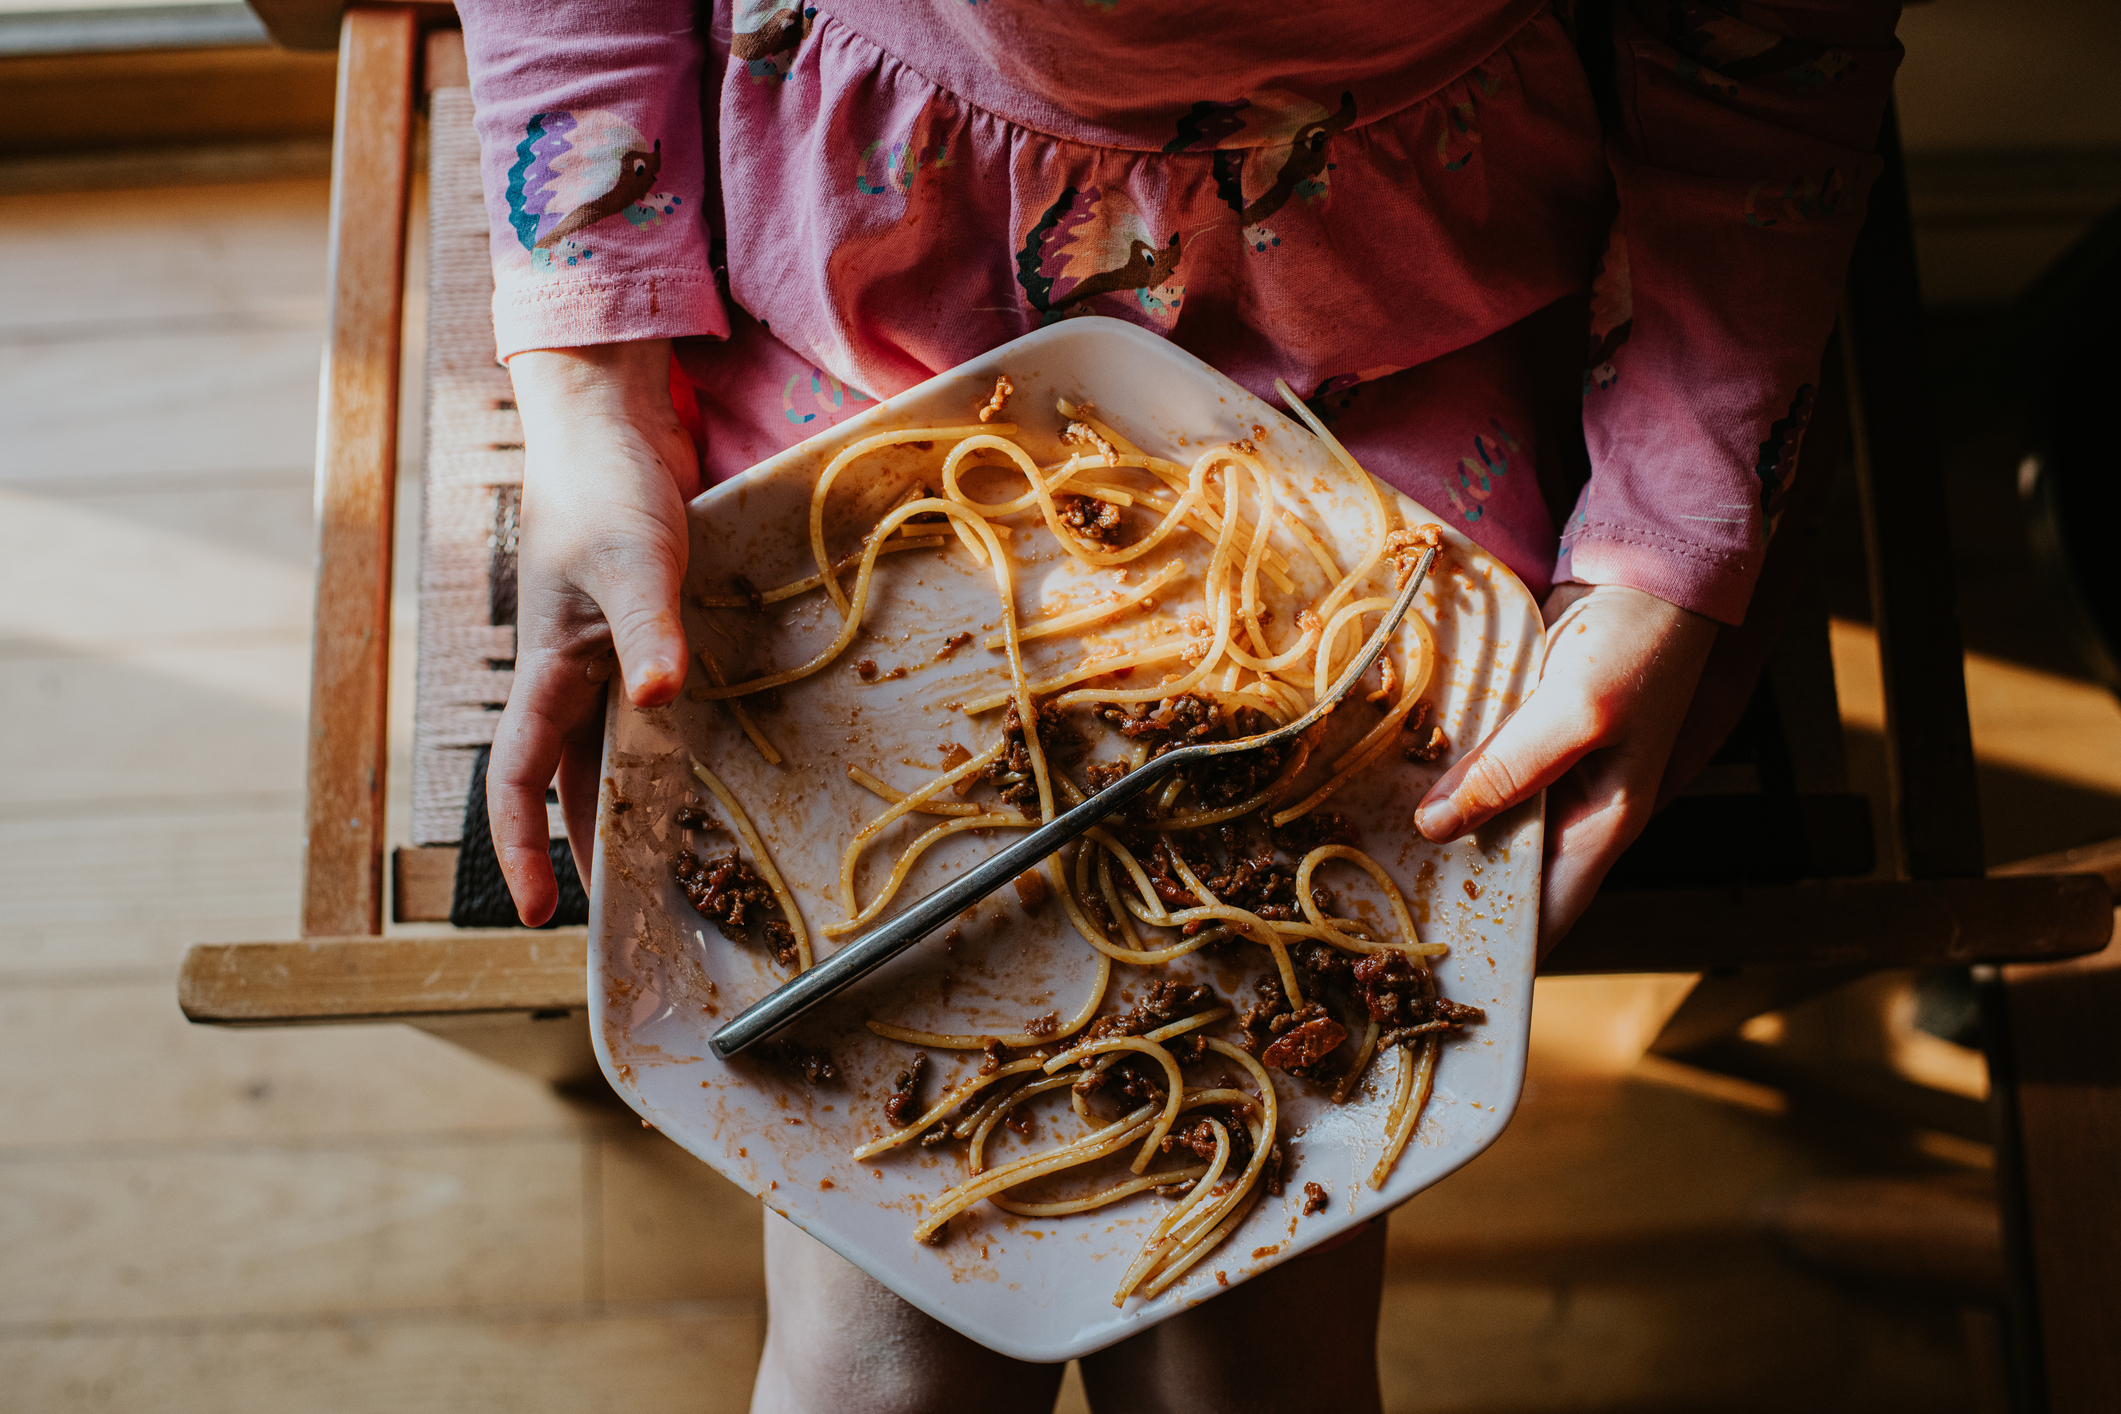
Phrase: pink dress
{"type": "Point", "coordinates": [1385, 205]}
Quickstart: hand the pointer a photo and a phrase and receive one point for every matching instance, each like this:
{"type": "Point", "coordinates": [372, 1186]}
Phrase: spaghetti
{"type": "Point", "coordinates": [1226, 857]}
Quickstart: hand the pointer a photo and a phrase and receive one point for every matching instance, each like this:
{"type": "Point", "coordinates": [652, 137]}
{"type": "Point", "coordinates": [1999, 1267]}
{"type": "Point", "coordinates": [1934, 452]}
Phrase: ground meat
{"type": "Point", "coordinates": [1404, 548]}
{"type": "Point", "coordinates": [1043, 1027]}
{"type": "Point", "coordinates": [1307, 832]}
{"type": "Point", "coordinates": [1431, 749]}
{"type": "Point", "coordinates": [903, 1105]}
{"type": "Point", "coordinates": [1164, 876]}
{"type": "Point", "coordinates": [951, 644]}
{"type": "Point", "coordinates": [1101, 774]}
{"type": "Point", "coordinates": [731, 893]}
{"type": "Point", "coordinates": [1012, 772]}
{"type": "Point", "coordinates": [1058, 735]}
{"type": "Point", "coordinates": [1165, 1003]}
{"type": "Point", "coordinates": [1225, 780]}
{"type": "Point", "coordinates": [813, 1062]}
{"type": "Point", "coordinates": [954, 755]}
{"type": "Point", "coordinates": [1197, 1135]}
{"type": "Point", "coordinates": [725, 889]}
{"type": "Point", "coordinates": [745, 590]}
{"type": "Point", "coordinates": [866, 670]}
{"type": "Point", "coordinates": [1002, 389]}
{"type": "Point", "coordinates": [1254, 879]}
{"type": "Point", "coordinates": [1093, 520]}
{"type": "Point", "coordinates": [1401, 998]}
{"type": "Point", "coordinates": [1307, 1042]}
{"type": "Point", "coordinates": [1175, 721]}
{"type": "Point", "coordinates": [991, 1057]}
{"type": "Point", "coordinates": [1135, 1076]}
{"type": "Point", "coordinates": [1031, 890]}
{"type": "Point", "coordinates": [1255, 1022]}
{"type": "Point", "coordinates": [1320, 965]}
{"type": "Point", "coordinates": [1314, 1199]}
{"type": "Point", "coordinates": [780, 942]}
{"type": "Point", "coordinates": [692, 817]}
{"type": "Point", "coordinates": [1083, 435]}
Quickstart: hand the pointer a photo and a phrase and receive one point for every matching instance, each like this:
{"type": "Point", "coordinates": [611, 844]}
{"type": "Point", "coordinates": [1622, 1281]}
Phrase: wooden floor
{"type": "Point", "coordinates": [367, 1219]}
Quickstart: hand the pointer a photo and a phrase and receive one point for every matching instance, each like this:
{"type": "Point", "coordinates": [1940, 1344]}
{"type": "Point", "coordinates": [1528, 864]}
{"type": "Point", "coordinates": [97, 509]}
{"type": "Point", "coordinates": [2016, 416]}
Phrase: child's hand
{"type": "Point", "coordinates": [1619, 675]}
{"type": "Point", "coordinates": [607, 474]}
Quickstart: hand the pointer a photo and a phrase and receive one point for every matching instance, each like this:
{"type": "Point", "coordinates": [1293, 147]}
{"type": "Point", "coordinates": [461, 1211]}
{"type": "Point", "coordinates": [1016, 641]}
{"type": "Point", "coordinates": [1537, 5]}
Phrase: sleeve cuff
{"type": "Point", "coordinates": [1699, 577]}
{"type": "Point", "coordinates": [576, 314]}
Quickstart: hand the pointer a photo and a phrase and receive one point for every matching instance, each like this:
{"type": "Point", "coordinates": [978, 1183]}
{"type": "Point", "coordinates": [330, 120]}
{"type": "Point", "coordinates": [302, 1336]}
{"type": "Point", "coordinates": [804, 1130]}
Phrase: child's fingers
{"type": "Point", "coordinates": [1589, 823]}
{"type": "Point", "coordinates": [526, 748]}
{"type": "Point", "coordinates": [581, 764]}
{"type": "Point", "coordinates": [638, 594]}
{"type": "Point", "coordinates": [1526, 753]}
{"type": "Point", "coordinates": [554, 721]}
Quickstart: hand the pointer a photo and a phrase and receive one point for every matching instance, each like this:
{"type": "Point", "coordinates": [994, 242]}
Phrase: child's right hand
{"type": "Point", "coordinates": [607, 472]}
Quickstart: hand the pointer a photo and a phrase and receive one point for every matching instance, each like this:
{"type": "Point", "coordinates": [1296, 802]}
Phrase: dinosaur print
{"type": "Point", "coordinates": [1801, 198]}
{"type": "Point", "coordinates": [1723, 45]}
{"type": "Point", "coordinates": [637, 174]}
{"type": "Point", "coordinates": [1093, 242]}
{"type": "Point", "coordinates": [1480, 479]}
{"type": "Point", "coordinates": [573, 171]}
{"type": "Point", "coordinates": [764, 37]}
{"type": "Point", "coordinates": [1777, 464]}
{"type": "Point", "coordinates": [1272, 145]}
{"type": "Point", "coordinates": [1612, 315]}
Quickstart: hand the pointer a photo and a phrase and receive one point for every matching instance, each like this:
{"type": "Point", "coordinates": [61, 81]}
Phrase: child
{"type": "Point", "coordinates": [1389, 206]}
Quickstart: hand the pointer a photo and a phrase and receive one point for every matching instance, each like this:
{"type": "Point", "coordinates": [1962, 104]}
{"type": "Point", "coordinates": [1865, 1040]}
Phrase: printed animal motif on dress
{"type": "Point", "coordinates": [1479, 474]}
{"type": "Point", "coordinates": [1268, 149]}
{"type": "Point", "coordinates": [1461, 123]}
{"type": "Point", "coordinates": [1796, 199]}
{"type": "Point", "coordinates": [765, 37]}
{"type": "Point", "coordinates": [1722, 46]}
{"type": "Point", "coordinates": [1612, 315]}
{"type": "Point", "coordinates": [806, 398]}
{"type": "Point", "coordinates": [575, 170]}
{"type": "Point", "coordinates": [891, 165]}
{"type": "Point", "coordinates": [1777, 464]}
{"type": "Point", "coordinates": [1333, 396]}
{"type": "Point", "coordinates": [1093, 242]}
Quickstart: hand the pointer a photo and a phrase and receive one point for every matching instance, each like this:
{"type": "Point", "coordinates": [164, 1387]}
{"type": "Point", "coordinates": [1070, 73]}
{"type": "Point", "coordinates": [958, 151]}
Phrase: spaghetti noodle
{"type": "Point", "coordinates": [1210, 862]}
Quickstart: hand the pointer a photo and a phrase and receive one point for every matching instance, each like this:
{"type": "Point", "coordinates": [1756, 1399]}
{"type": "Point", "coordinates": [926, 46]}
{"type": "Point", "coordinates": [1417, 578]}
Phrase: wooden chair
{"type": "Point", "coordinates": [1762, 936]}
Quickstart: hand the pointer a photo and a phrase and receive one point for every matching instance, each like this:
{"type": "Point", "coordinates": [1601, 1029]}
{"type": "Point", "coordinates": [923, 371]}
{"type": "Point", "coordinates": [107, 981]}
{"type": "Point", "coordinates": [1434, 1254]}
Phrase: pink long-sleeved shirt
{"type": "Point", "coordinates": [1364, 200]}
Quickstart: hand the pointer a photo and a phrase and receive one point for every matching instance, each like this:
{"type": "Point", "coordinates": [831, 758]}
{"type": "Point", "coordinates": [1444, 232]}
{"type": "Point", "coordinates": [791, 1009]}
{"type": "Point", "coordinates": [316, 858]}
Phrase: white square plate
{"type": "Point", "coordinates": [661, 978]}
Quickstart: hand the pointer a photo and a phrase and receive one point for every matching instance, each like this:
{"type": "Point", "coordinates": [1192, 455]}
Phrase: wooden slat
{"type": "Point", "coordinates": [1876, 1091]}
{"type": "Point", "coordinates": [423, 883]}
{"type": "Point", "coordinates": [385, 979]}
{"type": "Point", "coordinates": [315, 24]}
{"type": "Point", "coordinates": [445, 66]}
{"type": "Point", "coordinates": [342, 875]}
{"type": "Point", "coordinates": [1866, 923]}
{"type": "Point", "coordinates": [2066, 1083]}
{"type": "Point", "coordinates": [1899, 469]}
{"type": "Point", "coordinates": [2103, 859]}
{"type": "Point", "coordinates": [1936, 1233]}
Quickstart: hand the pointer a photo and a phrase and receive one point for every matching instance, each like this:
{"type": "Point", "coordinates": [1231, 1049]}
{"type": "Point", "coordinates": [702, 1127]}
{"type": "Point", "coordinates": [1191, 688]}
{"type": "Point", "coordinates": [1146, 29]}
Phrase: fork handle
{"type": "Point", "coordinates": [878, 946]}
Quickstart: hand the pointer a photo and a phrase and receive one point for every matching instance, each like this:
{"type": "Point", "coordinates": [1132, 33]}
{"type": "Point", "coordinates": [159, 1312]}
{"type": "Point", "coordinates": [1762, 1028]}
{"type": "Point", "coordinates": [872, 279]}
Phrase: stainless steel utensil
{"type": "Point", "coordinates": [878, 946]}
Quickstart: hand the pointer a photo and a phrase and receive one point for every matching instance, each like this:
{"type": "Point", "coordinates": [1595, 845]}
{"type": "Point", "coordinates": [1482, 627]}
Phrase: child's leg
{"type": "Point", "coordinates": [836, 1340]}
{"type": "Point", "coordinates": [1303, 1336]}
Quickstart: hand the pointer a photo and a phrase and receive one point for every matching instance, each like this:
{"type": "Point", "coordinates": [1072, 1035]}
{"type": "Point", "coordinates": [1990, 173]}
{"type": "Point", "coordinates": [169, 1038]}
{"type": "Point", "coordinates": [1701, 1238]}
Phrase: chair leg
{"type": "Point", "coordinates": [2057, 1098]}
{"type": "Point", "coordinates": [342, 869]}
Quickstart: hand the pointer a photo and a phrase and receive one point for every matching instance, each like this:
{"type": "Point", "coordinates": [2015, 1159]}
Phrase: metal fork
{"type": "Point", "coordinates": [878, 946]}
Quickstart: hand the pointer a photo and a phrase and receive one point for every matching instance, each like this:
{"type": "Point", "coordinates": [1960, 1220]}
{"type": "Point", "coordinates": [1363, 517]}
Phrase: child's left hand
{"type": "Point", "coordinates": [1596, 733]}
